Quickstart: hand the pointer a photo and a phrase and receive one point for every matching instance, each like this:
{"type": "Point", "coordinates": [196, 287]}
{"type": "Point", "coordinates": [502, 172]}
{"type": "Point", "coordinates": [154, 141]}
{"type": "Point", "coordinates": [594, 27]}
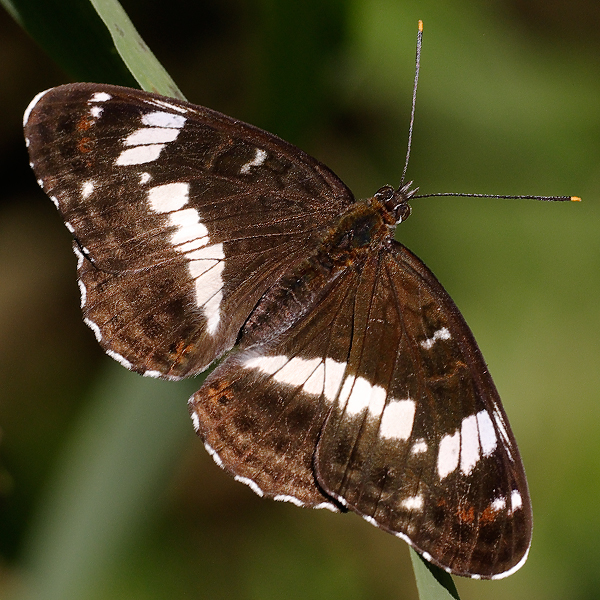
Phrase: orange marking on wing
{"type": "Point", "coordinates": [84, 123]}
{"type": "Point", "coordinates": [488, 515]}
{"type": "Point", "coordinates": [466, 516]}
{"type": "Point", "coordinates": [85, 145]}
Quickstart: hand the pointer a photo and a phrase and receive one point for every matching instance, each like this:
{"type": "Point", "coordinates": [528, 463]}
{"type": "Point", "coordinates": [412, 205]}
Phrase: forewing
{"type": "Point", "coordinates": [182, 217]}
{"type": "Point", "coordinates": [417, 441]}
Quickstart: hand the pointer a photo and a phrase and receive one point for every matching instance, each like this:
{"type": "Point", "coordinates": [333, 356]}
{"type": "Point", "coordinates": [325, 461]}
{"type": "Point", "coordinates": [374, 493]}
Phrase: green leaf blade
{"type": "Point", "coordinates": [433, 583]}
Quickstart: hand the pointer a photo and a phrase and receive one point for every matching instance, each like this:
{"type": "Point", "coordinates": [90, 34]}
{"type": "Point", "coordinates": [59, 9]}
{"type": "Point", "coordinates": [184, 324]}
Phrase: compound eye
{"type": "Point", "coordinates": [385, 194]}
{"type": "Point", "coordinates": [402, 212]}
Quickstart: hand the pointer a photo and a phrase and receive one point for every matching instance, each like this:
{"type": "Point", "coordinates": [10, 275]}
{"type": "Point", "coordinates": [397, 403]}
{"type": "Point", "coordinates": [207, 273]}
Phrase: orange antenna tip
{"type": "Point", "coordinates": [575, 199]}
{"type": "Point", "coordinates": [420, 25]}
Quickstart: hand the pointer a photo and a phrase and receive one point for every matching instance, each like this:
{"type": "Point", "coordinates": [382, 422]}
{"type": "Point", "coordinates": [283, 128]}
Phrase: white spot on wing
{"type": "Point", "coordinates": [512, 569]}
{"type": "Point", "coordinates": [257, 161]}
{"type": "Point", "coordinates": [82, 291]}
{"type": "Point", "coordinates": [398, 419]}
{"type": "Point", "coordinates": [163, 119]}
{"type": "Point", "coordinates": [94, 328]}
{"type": "Point", "coordinates": [315, 384]}
{"type": "Point", "coordinates": [334, 373]}
{"type": "Point", "coordinates": [346, 390]}
{"type": "Point", "coordinates": [371, 520]}
{"type": "Point", "coordinates": [151, 135]}
{"type": "Point", "coordinates": [100, 97]}
{"type": "Point", "coordinates": [209, 448]}
{"type": "Point", "coordinates": [190, 248]}
{"type": "Point", "coordinates": [291, 499]}
{"type": "Point", "coordinates": [487, 433]}
{"type": "Point", "coordinates": [168, 105]}
{"type": "Point", "coordinates": [169, 197]}
{"type": "Point", "coordinates": [120, 359]}
{"type": "Point", "coordinates": [251, 484]}
{"type": "Point", "coordinates": [214, 252]}
{"type": "Point", "coordinates": [190, 233]}
{"type": "Point", "coordinates": [212, 309]}
{"type": "Point", "coordinates": [196, 421]}
{"type": "Point", "coordinates": [209, 284]}
{"type": "Point", "coordinates": [413, 502]}
{"type": "Point", "coordinates": [157, 375]}
{"type": "Point", "coordinates": [79, 256]}
{"type": "Point", "coordinates": [358, 398]}
{"type": "Point", "coordinates": [377, 401]}
{"type": "Point", "coordinates": [266, 364]}
{"type": "Point", "coordinates": [139, 155]}
{"type": "Point", "coordinates": [145, 178]}
{"type": "Point", "coordinates": [516, 501]}
{"type": "Point", "coordinates": [31, 106]}
{"type": "Point", "coordinates": [448, 454]}
{"type": "Point", "coordinates": [198, 268]}
{"type": "Point", "coordinates": [503, 433]}
{"type": "Point", "coordinates": [419, 447]}
{"type": "Point", "coordinates": [297, 371]}
{"type": "Point", "coordinates": [328, 506]}
{"type": "Point", "coordinates": [96, 111]}
{"type": "Point", "coordinates": [440, 334]}
{"type": "Point", "coordinates": [341, 500]}
{"type": "Point", "coordinates": [469, 444]}
{"type": "Point", "coordinates": [498, 504]}
{"type": "Point", "coordinates": [87, 188]}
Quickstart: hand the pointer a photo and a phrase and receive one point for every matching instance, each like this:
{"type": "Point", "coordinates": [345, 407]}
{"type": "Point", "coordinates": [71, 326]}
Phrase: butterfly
{"type": "Point", "coordinates": [354, 383]}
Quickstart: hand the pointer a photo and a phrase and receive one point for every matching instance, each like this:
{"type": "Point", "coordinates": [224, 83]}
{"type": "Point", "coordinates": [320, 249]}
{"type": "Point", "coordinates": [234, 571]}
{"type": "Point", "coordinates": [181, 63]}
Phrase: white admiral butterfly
{"type": "Point", "coordinates": [355, 383]}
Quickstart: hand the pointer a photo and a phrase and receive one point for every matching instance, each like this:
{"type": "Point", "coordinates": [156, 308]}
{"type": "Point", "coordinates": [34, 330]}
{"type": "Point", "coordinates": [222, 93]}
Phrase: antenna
{"type": "Point", "coordinates": [414, 98]}
{"type": "Point", "coordinates": [457, 194]}
{"type": "Point", "coordinates": [502, 196]}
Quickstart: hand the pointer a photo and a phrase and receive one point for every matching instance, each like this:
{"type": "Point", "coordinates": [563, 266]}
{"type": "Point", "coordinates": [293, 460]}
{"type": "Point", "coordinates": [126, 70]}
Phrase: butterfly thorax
{"type": "Point", "coordinates": [363, 229]}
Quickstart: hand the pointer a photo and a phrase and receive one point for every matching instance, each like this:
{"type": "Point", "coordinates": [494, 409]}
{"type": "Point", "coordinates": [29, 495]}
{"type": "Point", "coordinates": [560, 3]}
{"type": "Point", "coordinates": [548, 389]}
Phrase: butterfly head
{"type": "Point", "coordinates": [396, 200]}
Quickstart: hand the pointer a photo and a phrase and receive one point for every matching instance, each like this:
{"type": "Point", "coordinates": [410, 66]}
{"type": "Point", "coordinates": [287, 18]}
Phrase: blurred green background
{"type": "Point", "coordinates": [105, 492]}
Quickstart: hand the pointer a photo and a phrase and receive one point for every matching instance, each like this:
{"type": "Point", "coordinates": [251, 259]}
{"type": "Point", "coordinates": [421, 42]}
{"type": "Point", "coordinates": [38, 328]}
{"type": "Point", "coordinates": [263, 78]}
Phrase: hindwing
{"type": "Point", "coordinates": [378, 400]}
